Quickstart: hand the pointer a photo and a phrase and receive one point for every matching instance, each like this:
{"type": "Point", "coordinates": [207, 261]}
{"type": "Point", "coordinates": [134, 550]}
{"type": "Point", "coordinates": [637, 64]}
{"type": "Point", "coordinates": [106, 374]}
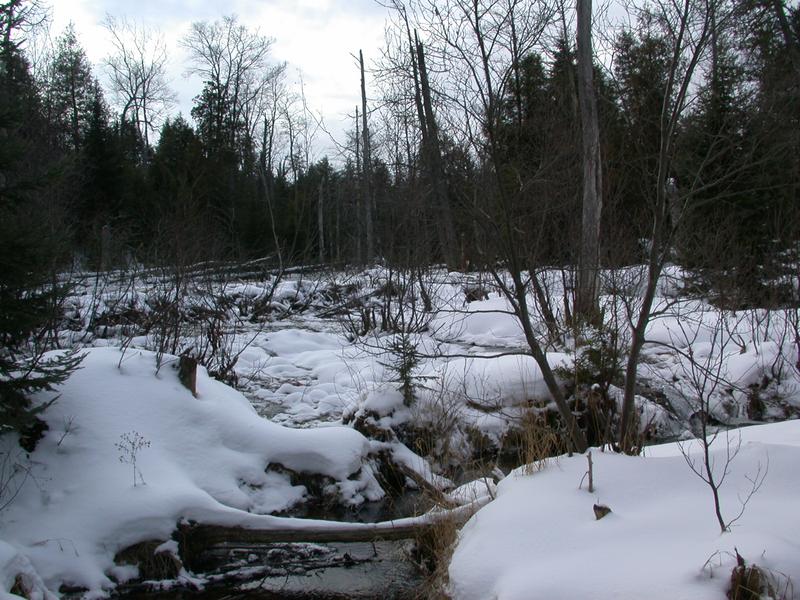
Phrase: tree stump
{"type": "Point", "coordinates": [187, 373]}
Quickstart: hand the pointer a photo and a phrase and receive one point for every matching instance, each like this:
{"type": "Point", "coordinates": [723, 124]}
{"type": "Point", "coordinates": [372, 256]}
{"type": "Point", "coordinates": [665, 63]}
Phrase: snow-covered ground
{"type": "Point", "coordinates": [539, 538]}
{"type": "Point", "coordinates": [302, 357]}
{"type": "Point", "coordinates": [130, 453]}
{"type": "Point", "coordinates": [304, 360]}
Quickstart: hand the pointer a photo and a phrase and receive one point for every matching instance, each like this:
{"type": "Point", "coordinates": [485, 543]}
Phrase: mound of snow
{"type": "Point", "coordinates": [206, 460]}
{"type": "Point", "coordinates": [383, 401]}
{"type": "Point", "coordinates": [540, 539]}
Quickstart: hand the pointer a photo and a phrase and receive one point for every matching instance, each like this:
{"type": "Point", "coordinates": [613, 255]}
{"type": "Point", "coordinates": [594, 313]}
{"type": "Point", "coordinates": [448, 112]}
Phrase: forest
{"type": "Point", "coordinates": [474, 122]}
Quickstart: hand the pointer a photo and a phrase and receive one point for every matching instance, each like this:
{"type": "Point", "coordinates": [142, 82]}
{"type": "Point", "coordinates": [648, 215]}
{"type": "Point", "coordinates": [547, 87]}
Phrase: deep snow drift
{"type": "Point", "coordinates": [206, 460]}
{"type": "Point", "coordinates": [539, 538]}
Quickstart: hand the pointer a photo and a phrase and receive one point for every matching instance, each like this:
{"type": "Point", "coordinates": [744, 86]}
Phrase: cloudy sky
{"type": "Point", "coordinates": [315, 36]}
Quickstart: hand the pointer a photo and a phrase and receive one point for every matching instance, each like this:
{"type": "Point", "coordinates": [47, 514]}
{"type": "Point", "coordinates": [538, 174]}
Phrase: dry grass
{"type": "Point", "coordinates": [434, 549]}
{"type": "Point", "coordinates": [539, 443]}
{"type": "Point", "coordinates": [751, 582]}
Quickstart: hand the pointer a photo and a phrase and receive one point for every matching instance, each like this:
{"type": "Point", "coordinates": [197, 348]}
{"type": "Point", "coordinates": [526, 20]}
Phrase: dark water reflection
{"type": "Point", "coordinates": [312, 571]}
{"type": "Point", "coordinates": [307, 571]}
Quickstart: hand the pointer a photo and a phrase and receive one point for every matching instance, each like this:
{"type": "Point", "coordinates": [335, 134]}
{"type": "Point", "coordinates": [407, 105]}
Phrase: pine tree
{"type": "Point", "coordinates": [641, 66]}
{"type": "Point", "coordinates": [28, 251]}
{"type": "Point", "coordinates": [72, 92]}
{"type": "Point", "coordinates": [101, 165]}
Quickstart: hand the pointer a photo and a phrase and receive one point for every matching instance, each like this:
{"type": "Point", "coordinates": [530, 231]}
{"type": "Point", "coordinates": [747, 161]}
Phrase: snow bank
{"type": "Point", "coordinates": [485, 322]}
{"type": "Point", "coordinates": [206, 460]}
{"type": "Point", "coordinates": [540, 539]}
{"type": "Point", "coordinates": [504, 381]}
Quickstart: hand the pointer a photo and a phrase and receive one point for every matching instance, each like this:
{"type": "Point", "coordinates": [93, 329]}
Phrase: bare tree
{"type": "Point", "coordinates": [789, 38]}
{"type": "Point", "coordinates": [233, 62]}
{"type": "Point", "coordinates": [268, 113]}
{"type": "Point", "coordinates": [19, 17]}
{"type": "Point", "coordinates": [137, 74]}
{"type": "Point", "coordinates": [367, 168]}
{"type": "Point", "coordinates": [589, 262]}
{"type": "Point", "coordinates": [703, 376]}
{"type": "Point", "coordinates": [687, 29]}
{"type": "Point", "coordinates": [431, 146]}
{"type": "Point", "coordinates": [476, 45]}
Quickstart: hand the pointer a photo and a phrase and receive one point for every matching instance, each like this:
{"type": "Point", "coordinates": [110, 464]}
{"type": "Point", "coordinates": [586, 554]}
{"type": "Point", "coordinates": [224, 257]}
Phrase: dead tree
{"type": "Point", "coordinates": [586, 308]}
{"type": "Point", "coordinates": [321, 221]}
{"type": "Point", "coordinates": [367, 168]}
{"type": "Point", "coordinates": [433, 158]}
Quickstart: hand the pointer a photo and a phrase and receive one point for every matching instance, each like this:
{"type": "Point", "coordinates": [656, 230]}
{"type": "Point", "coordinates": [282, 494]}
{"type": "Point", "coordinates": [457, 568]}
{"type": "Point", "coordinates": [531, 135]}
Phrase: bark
{"type": "Point", "coordinates": [194, 539]}
{"type": "Point", "coordinates": [321, 222]}
{"type": "Point", "coordinates": [586, 307]}
{"type": "Point", "coordinates": [359, 225]}
{"type": "Point", "coordinates": [417, 94]}
{"type": "Point", "coordinates": [367, 165]}
{"type": "Point", "coordinates": [433, 159]}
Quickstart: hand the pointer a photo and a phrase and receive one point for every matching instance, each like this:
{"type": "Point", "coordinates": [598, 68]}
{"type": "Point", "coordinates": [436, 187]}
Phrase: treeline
{"type": "Point", "coordinates": [444, 165]}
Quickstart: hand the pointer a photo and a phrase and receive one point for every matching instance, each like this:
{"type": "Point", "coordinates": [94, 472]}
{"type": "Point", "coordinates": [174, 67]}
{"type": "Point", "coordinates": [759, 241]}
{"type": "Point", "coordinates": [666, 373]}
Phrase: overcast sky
{"type": "Point", "coordinates": [315, 36]}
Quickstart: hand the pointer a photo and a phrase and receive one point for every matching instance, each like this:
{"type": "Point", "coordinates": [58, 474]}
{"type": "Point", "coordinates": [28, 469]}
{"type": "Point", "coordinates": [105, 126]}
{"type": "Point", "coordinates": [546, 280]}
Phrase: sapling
{"type": "Point", "coordinates": [704, 375]}
{"type": "Point", "coordinates": [14, 472]}
{"type": "Point", "coordinates": [129, 445]}
{"type": "Point", "coordinates": [69, 427]}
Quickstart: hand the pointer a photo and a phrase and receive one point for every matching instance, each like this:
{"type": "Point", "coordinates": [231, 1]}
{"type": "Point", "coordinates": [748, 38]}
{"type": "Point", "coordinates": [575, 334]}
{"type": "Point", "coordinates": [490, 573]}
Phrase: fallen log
{"type": "Point", "coordinates": [195, 539]}
{"type": "Point", "coordinates": [431, 490]}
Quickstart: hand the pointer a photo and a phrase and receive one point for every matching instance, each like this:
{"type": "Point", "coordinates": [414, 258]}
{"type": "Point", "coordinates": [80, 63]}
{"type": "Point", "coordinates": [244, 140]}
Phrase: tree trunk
{"type": "Point", "coordinates": [321, 222]}
{"type": "Point", "coordinates": [586, 308]}
{"type": "Point", "coordinates": [359, 196]}
{"type": "Point", "coordinates": [367, 166]}
{"type": "Point", "coordinates": [433, 156]}
{"type": "Point", "coordinates": [196, 538]}
{"type": "Point", "coordinates": [786, 31]}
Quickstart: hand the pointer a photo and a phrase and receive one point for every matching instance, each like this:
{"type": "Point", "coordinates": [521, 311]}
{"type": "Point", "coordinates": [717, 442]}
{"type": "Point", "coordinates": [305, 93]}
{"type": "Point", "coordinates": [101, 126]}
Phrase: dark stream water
{"type": "Point", "coordinates": [306, 571]}
{"type": "Point", "coordinates": [332, 571]}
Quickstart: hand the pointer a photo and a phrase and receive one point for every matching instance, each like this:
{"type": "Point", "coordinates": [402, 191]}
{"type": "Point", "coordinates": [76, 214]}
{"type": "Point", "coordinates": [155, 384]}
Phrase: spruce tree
{"type": "Point", "coordinates": [28, 251]}
{"type": "Point", "coordinates": [72, 91]}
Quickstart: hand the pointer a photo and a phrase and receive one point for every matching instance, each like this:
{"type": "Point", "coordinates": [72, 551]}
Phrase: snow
{"type": "Point", "coordinates": [539, 537]}
{"type": "Point", "coordinates": [215, 458]}
{"type": "Point", "coordinates": [483, 323]}
{"type": "Point", "coordinates": [16, 568]}
{"type": "Point", "coordinates": [503, 381]}
{"type": "Point", "coordinates": [206, 459]}
{"type": "Point", "coordinates": [383, 402]}
{"type": "Point", "coordinates": [473, 490]}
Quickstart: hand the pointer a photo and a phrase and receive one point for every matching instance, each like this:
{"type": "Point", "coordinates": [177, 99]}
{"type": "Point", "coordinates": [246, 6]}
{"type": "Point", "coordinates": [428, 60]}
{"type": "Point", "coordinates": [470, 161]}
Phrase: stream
{"type": "Point", "coordinates": [307, 571]}
{"type": "Point", "coordinates": [330, 571]}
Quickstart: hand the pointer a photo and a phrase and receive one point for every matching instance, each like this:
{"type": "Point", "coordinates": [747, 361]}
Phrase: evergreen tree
{"type": "Point", "coordinates": [29, 250]}
{"type": "Point", "coordinates": [640, 72]}
{"type": "Point", "coordinates": [179, 216]}
{"type": "Point", "coordinates": [721, 215]}
{"type": "Point", "coordinates": [740, 147]}
{"type": "Point", "coordinates": [101, 165]}
{"type": "Point", "coordinates": [72, 92]}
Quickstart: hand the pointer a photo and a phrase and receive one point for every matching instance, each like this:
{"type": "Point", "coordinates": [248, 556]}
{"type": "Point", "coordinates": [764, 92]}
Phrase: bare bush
{"type": "Point", "coordinates": [704, 374]}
